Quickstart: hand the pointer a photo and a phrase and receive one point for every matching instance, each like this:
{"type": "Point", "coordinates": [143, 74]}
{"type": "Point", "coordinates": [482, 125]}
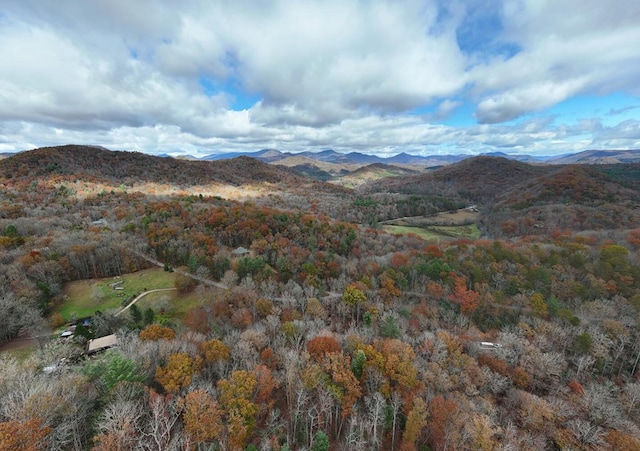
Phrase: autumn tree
{"type": "Point", "coordinates": [215, 350]}
{"type": "Point", "coordinates": [345, 387]}
{"type": "Point", "coordinates": [155, 332]}
{"type": "Point", "coordinates": [29, 435]}
{"type": "Point", "coordinates": [441, 415]}
{"type": "Point", "coordinates": [415, 423]}
{"type": "Point", "coordinates": [197, 319]}
{"type": "Point", "coordinates": [538, 304]}
{"type": "Point", "coordinates": [388, 288]}
{"type": "Point", "coordinates": [399, 366]}
{"type": "Point", "coordinates": [266, 383]}
{"type": "Point", "coordinates": [467, 299]}
{"type": "Point", "coordinates": [354, 298]}
{"type": "Point", "coordinates": [620, 441]}
{"type": "Point", "coordinates": [236, 394]}
{"type": "Point", "coordinates": [178, 372]}
{"type": "Point", "coordinates": [322, 345]}
{"type": "Point", "coordinates": [202, 417]}
{"type": "Point", "coordinates": [315, 309]}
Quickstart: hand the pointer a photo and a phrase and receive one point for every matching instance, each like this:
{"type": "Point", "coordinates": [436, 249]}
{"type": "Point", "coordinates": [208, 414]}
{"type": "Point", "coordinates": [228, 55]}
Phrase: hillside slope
{"type": "Point", "coordinates": [133, 166]}
{"type": "Point", "coordinates": [93, 165]}
{"type": "Point", "coordinates": [518, 198]}
{"type": "Point", "coordinates": [477, 179]}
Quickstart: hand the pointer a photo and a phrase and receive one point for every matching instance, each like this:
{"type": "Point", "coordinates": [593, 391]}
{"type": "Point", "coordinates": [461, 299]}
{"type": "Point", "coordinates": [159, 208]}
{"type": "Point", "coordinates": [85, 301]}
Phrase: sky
{"type": "Point", "coordinates": [380, 77]}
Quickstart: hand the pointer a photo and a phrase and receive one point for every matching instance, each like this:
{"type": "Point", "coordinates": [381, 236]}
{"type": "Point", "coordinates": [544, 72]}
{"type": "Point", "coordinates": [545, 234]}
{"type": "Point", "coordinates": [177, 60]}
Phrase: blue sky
{"type": "Point", "coordinates": [424, 77]}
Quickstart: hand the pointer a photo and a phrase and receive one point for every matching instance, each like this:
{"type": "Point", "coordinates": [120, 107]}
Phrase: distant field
{"type": "Point", "coordinates": [85, 297]}
{"type": "Point", "coordinates": [436, 233]}
{"type": "Point", "coordinates": [442, 226]}
{"type": "Point", "coordinates": [447, 218]}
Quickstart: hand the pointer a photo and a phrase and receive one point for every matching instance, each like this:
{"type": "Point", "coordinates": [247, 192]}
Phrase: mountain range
{"type": "Point", "coordinates": [514, 197]}
{"type": "Point", "coordinates": [358, 159]}
{"type": "Point", "coordinates": [430, 161]}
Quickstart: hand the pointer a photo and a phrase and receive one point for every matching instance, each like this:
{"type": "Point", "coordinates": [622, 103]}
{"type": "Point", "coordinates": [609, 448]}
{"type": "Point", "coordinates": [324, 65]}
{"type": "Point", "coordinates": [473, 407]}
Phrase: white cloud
{"type": "Point", "coordinates": [518, 101]}
{"type": "Point", "coordinates": [346, 75]}
{"type": "Point", "coordinates": [568, 48]}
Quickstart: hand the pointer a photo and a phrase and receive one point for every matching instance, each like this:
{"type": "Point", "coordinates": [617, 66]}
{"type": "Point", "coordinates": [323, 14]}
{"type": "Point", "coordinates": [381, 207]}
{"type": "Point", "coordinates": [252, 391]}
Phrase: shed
{"type": "Point", "coordinates": [102, 343]}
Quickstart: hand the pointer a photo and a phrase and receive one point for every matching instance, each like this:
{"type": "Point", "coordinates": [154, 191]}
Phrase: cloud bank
{"type": "Point", "coordinates": [381, 77]}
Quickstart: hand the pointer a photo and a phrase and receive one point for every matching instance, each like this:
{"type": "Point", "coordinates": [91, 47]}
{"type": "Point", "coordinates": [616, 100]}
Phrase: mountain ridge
{"type": "Point", "coordinates": [271, 155]}
{"type": "Point", "coordinates": [428, 161]}
{"type": "Point", "coordinates": [131, 168]}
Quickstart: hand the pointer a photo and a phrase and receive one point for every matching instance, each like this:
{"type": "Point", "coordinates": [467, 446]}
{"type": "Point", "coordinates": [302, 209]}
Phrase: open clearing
{"type": "Point", "coordinates": [85, 297]}
{"type": "Point", "coordinates": [177, 304]}
{"type": "Point", "coordinates": [446, 218]}
{"type": "Point", "coordinates": [436, 233]}
{"type": "Point", "coordinates": [441, 226]}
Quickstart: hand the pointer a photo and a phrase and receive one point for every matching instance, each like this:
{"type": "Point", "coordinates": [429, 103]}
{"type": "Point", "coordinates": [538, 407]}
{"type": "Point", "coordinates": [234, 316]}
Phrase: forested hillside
{"type": "Point", "coordinates": [323, 331]}
{"type": "Point", "coordinates": [519, 199]}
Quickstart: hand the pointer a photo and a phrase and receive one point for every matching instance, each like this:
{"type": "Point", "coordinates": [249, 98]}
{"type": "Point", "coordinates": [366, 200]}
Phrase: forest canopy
{"type": "Point", "coordinates": [295, 322]}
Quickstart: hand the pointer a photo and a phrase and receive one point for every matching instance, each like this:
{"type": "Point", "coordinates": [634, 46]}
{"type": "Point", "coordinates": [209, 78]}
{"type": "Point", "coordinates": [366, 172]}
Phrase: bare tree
{"type": "Point", "coordinates": [162, 427]}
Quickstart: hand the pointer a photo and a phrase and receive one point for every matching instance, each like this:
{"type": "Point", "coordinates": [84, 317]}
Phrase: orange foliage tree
{"type": "Point", "coordinates": [27, 435]}
{"type": "Point", "coordinates": [399, 367]}
{"type": "Point", "coordinates": [155, 332]}
{"type": "Point", "coordinates": [345, 387]}
{"type": "Point", "coordinates": [197, 320]}
{"type": "Point", "coordinates": [214, 350]}
{"type": "Point", "coordinates": [178, 371]}
{"type": "Point", "coordinates": [202, 417]}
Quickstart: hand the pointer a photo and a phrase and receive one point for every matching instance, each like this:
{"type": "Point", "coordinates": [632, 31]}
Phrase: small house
{"type": "Point", "coordinates": [240, 252]}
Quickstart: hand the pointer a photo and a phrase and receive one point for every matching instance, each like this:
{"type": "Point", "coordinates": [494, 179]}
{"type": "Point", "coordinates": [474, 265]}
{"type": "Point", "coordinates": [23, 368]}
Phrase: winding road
{"type": "Point", "coordinates": [141, 295]}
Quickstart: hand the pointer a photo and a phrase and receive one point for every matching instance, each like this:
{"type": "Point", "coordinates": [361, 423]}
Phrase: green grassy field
{"type": "Point", "coordinates": [85, 297]}
{"type": "Point", "coordinates": [436, 233]}
{"type": "Point", "coordinates": [176, 304]}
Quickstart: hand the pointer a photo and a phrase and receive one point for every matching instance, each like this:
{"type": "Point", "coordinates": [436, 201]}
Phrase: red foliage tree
{"type": "Point", "coordinates": [322, 345]}
{"type": "Point", "coordinates": [441, 413]}
{"type": "Point", "coordinates": [468, 300]}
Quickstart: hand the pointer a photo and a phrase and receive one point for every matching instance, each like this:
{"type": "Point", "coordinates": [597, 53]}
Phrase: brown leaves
{"type": "Point", "coordinates": [202, 417]}
{"type": "Point", "coordinates": [214, 350]}
{"type": "Point", "coordinates": [338, 366]}
{"type": "Point", "coordinates": [322, 345]}
{"type": "Point", "coordinates": [27, 435]}
{"type": "Point", "coordinates": [155, 332]}
{"type": "Point", "coordinates": [442, 413]}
